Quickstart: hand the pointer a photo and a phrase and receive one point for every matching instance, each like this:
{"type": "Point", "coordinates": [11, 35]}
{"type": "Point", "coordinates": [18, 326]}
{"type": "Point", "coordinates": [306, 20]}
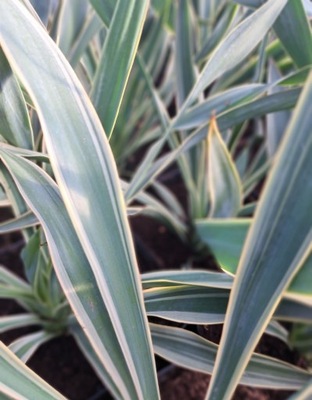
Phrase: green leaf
{"type": "Point", "coordinates": [189, 350]}
{"type": "Point", "coordinates": [193, 305]}
{"type": "Point", "coordinates": [240, 113]}
{"type": "Point", "coordinates": [15, 124]}
{"type": "Point", "coordinates": [72, 16]}
{"type": "Point", "coordinates": [236, 46]}
{"type": "Point", "coordinates": [25, 220]}
{"type": "Point", "coordinates": [73, 270]}
{"type": "Point", "coordinates": [293, 29]}
{"type": "Point", "coordinates": [86, 173]}
{"type": "Point", "coordinates": [25, 346]}
{"type": "Point", "coordinates": [90, 28]}
{"type": "Point", "coordinates": [200, 113]}
{"type": "Point", "coordinates": [183, 55]}
{"type": "Point", "coordinates": [20, 382]}
{"type": "Point", "coordinates": [156, 209]}
{"type": "Point", "coordinates": [291, 310]}
{"type": "Point", "coordinates": [30, 258]}
{"type": "Point", "coordinates": [288, 310]}
{"type": "Point", "coordinates": [105, 9]}
{"type": "Point", "coordinates": [148, 170]}
{"type": "Point", "coordinates": [224, 183]}
{"type": "Point", "coordinates": [30, 154]}
{"type": "Point", "coordinates": [250, 3]}
{"type": "Point", "coordinates": [18, 321]}
{"type": "Point", "coordinates": [304, 394]}
{"type": "Point", "coordinates": [276, 122]}
{"type": "Point", "coordinates": [116, 60]}
{"type": "Point", "coordinates": [300, 285]}
{"type": "Point", "coordinates": [207, 303]}
{"type": "Point", "coordinates": [43, 9]}
{"type": "Point", "coordinates": [17, 202]}
{"type": "Point", "coordinates": [222, 25]}
{"type": "Point", "coordinates": [11, 279]}
{"type": "Point", "coordinates": [278, 242]}
{"type": "Point", "coordinates": [277, 330]}
{"type": "Point", "coordinates": [226, 239]}
{"type": "Point", "coordinates": [300, 338]}
{"type": "Point", "coordinates": [196, 278]}
{"type": "Point", "coordinates": [92, 356]}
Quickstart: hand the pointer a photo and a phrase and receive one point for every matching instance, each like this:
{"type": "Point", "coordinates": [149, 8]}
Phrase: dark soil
{"type": "Point", "coordinates": [61, 363]}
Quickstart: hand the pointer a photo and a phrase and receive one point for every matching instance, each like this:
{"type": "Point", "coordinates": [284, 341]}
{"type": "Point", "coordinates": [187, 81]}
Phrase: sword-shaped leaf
{"type": "Point", "coordinates": [20, 382]}
{"type": "Point", "coordinates": [73, 270]}
{"type": "Point", "coordinates": [207, 304]}
{"type": "Point", "coordinates": [23, 221]}
{"type": "Point", "coordinates": [236, 46]}
{"type": "Point", "coordinates": [25, 346]}
{"type": "Point", "coordinates": [191, 351]}
{"type": "Point", "coordinates": [117, 58]}
{"type": "Point", "coordinates": [18, 321]}
{"type": "Point", "coordinates": [15, 124]}
{"type": "Point", "coordinates": [86, 173]}
{"type": "Point", "coordinates": [304, 394]}
{"type": "Point", "coordinates": [226, 238]}
{"type": "Point", "coordinates": [277, 244]}
{"type": "Point", "coordinates": [293, 29]}
{"type": "Point", "coordinates": [224, 183]}
{"type": "Point", "coordinates": [105, 9]}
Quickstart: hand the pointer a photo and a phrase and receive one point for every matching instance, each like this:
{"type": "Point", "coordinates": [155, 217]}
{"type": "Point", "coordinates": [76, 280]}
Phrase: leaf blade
{"type": "Point", "coordinates": [272, 232]}
{"type": "Point", "coordinates": [116, 60]}
{"type": "Point", "coordinates": [83, 164]}
{"type": "Point", "coordinates": [192, 351]}
{"type": "Point", "coordinates": [224, 183]}
{"type": "Point", "coordinates": [21, 382]}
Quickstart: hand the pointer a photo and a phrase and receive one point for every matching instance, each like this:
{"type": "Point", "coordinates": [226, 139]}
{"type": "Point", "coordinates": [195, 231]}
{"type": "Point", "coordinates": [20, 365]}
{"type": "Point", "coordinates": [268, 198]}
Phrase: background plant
{"type": "Point", "coordinates": [190, 53]}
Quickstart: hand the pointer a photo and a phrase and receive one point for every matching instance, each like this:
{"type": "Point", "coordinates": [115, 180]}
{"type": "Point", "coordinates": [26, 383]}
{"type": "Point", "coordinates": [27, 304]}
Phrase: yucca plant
{"type": "Point", "coordinates": [59, 175]}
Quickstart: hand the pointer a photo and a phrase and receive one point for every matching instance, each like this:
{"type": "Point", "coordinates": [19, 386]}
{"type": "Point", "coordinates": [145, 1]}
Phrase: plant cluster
{"type": "Point", "coordinates": [220, 89]}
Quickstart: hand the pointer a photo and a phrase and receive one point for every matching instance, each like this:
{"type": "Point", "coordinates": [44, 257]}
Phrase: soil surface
{"type": "Point", "coordinates": [61, 363]}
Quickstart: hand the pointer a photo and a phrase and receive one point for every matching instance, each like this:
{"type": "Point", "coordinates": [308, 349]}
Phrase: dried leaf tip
{"type": "Point", "coordinates": [213, 125]}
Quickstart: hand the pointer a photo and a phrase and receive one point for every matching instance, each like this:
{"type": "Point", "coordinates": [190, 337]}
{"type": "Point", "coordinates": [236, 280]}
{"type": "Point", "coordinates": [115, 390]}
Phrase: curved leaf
{"type": "Point", "coordinates": [15, 125]}
{"type": "Point", "coordinates": [192, 305]}
{"type": "Point", "coordinates": [196, 278]}
{"type": "Point", "coordinates": [207, 304]}
{"type": "Point", "coordinates": [20, 382]}
{"type": "Point", "coordinates": [116, 60]}
{"type": "Point", "coordinates": [277, 245]}
{"type": "Point", "coordinates": [304, 394]}
{"type": "Point", "coordinates": [71, 18]}
{"type": "Point", "coordinates": [73, 271]}
{"type": "Point", "coordinates": [25, 346]}
{"type": "Point", "coordinates": [194, 352]}
{"type": "Point", "coordinates": [226, 238]}
{"type": "Point", "coordinates": [224, 183]}
{"type": "Point", "coordinates": [25, 220]}
{"type": "Point", "coordinates": [293, 29]}
{"type": "Point", "coordinates": [18, 321]}
{"type": "Point", "coordinates": [276, 122]}
{"type": "Point", "coordinates": [86, 173]}
{"type": "Point", "coordinates": [237, 45]}
{"type": "Point", "coordinates": [200, 113]}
